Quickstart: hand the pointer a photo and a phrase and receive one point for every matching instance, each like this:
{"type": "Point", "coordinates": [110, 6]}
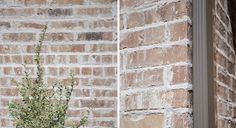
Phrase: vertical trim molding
{"type": "Point", "coordinates": [203, 85]}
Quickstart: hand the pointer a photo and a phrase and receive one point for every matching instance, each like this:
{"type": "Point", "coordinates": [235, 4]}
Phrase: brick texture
{"type": "Point", "coordinates": [156, 66]}
{"type": "Point", "coordinates": [155, 58]}
{"type": "Point", "coordinates": [224, 66]}
{"type": "Point", "coordinates": [81, 37]}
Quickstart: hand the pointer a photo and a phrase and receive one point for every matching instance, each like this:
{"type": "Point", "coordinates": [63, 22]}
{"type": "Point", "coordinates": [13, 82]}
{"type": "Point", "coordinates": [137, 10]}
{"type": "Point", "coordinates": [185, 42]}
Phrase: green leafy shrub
{"type": "Point", "coordinates": [40, 106]}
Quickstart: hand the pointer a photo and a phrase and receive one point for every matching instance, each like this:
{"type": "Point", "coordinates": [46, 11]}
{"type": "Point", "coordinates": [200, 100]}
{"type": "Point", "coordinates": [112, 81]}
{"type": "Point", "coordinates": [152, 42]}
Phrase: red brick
{"type": "Point", "coordinates": [31, 2]}
{"type": "Point", "coordinates": [13, 12]}
{"type": "Point", "coordinates": [7, 70]}
{"type": "Point", "coordinates": [103, 24]}
{"type": "Point", "coordinates": [68, 2]}
{"type": "Point", "coordinates": [5, 25]}
{"type": "Point", "coordinates": [107, 59]}
{"type": "Point", "coordinates": [54, 48]}
{"type": "Point", "coordinates": [222, 14]}
{"type": "Point", "coordinates": [221, 91]}
{"type": "Point", "coordinates": [81, 93]}
{"type": "Point", "coordinates": [103, 82]}
{"type": "Point", "coordinates": [62, 59]}
{"type": "Point", "coordinates": [16, 59]}
{"type": "Point", "coordinates": [95, 36]}
{"type": "Point", "coordinates": [69, 45]}
{"type": "Point", "coordinates": [158, 56]}
{"type": "Point", "coordinates": [219, 27]}
{"type": "Point", "coordinates": [135, 19]}
{"type": "Point", "coordinates": [97, 103]}
{"type": "Point", "coordinates": [85, 81]}
{"type": "Point", "coordinates": [182, 100]}
{"type": "Point", "coordinates": [182, 120]}
{"type": "Point", "coordinates": [103, 12]}
{"type": "Point", "coordinates": [1, 59]}
{"type": "Point", "coordinates": [144, 37]}
{"type": "Point", "coordinates": [4, 102]}
{"type": "Point", "coordinates": [8, 92]}
{"type": "Point", "coordinates": [152, 16]}
{"type": "Point", "coordinates": [143, 79]}
{"type": "Point", "coordinates": [77, 48]}
{"type": "Point", "coordinates": [224, 78]}
{"type": "Point", "coordinates": [180, 31]}
{"type": "Point", "coordinates": [18, 71]}
{"type": "Point", "coordinates": [19, 37]}
{"type": "Point", "coordinates": [130, 40]}
{"type": "Point", "coordinates": [167, 12]}
{"type": "Point", "coordinates": [175, 10]}
{"type": "Point", "coordinates": [221, 45]}
{"type": "Point", "coordinates": [131, 102]}
{"type": "Point", "coordinates": [86, 71]}
{"type": "Point", "coordinates": [102, 1]}
{"type": "Point", "coordinates": [28, 59]}
{"type": "Point", "coordinates": [108, 48]}
{"type": "Point", "coordinates": [153, 35]}
{"type": "Point", "coordinates": [131, 3]}
{"type": "Point", "coordinates": [53, 71]}
{"type": "Point", "coordinates": [102, 48]}
{"type": "Point", "coordinates": [109, 71]}
{"type": "Point", "coordinates": [5, 48]}
{"type": "Point", "coordinates": [98, 71]}
{"type": "Point", "coordinates": [56, 12]}
{"type": "Point", "coordinates": [5, 122]}
{"type": "Point", "coordinates": [7, 59]}
{"type": "Point", "coordinates": [3, 112]}
{"type": "Point", "coordinates": [59, 37]}
{"type": "Point", "coordinates": [144, 121]}
{"type": "Point", "coordinates": [104, 113]}
{"type": "Point", "coordinates": [64, 24]}
{"type": "Point", "coordinates": [108, 124]}
{"type": "Point", "coordinates": [105, 93]}
{"type": "Point", "coordinates": [76, 70]}
{"type": "Point", "coordinates": [31, 25]}
{"type": "Point", "coordinates": [64, 71]}
{"type": "Point", "coordinates": [73, 113]}
{"type": "Point", "coordinates": [136, 59]}
{"type": "Point", "coordinates": [29, 49]}
{"type": "Point", "coordinates": [73, 59]}
{"type": "Point", "coordinates": [181, 74]}
{"type": "Point", "coordinates": [220, 59]}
